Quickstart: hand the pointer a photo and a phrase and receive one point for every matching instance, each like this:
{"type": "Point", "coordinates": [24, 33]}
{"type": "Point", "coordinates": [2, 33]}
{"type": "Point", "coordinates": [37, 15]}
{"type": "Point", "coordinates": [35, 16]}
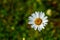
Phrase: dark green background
{"type": "Point", "coordinates": [14, 19]}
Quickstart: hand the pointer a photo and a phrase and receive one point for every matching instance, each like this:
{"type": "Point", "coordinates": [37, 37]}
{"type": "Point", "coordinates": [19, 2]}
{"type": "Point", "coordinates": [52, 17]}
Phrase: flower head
{"type": "Point", "coordinates": [38, 20]}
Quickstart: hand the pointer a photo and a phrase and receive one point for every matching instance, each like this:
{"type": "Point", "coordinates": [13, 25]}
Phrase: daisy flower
{"type": "Point", "coordinates": [38, 21]}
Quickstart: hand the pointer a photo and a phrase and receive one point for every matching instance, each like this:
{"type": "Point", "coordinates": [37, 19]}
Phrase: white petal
{"type": "Point", "coordinates": [35, 27]}
{"type": "Point", "coordinates": [30, 22]}
{"type": "Point", "coordinates": [30, 17]}
{"type": "Point", "coordinates": [42, 15]}
{"type": "Point", "coordinates": [37, 14]}
{"type": "Point", "coordinates": [33, 15]}
{"type": "Point", "coordinates": [40, 27]}
{"type": "Point", "coordinates": [45, 24]}
{"type": "Point", "coordinates": [45, 21]}
{"type": "Point", "coordinates": [45, 18]}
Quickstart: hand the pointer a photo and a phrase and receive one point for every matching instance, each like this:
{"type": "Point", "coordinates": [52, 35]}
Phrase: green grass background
{"type": "Point", "coordinates": [14, 19]}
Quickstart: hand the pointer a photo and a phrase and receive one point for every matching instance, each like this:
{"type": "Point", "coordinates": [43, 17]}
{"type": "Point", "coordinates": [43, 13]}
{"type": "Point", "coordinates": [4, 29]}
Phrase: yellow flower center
{"type": "Point", "coordinates": [38, 21]}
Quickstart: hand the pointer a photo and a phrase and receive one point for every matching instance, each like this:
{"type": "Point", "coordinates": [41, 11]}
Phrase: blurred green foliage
{"type": "Point", "coordinates": [14, 19]}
